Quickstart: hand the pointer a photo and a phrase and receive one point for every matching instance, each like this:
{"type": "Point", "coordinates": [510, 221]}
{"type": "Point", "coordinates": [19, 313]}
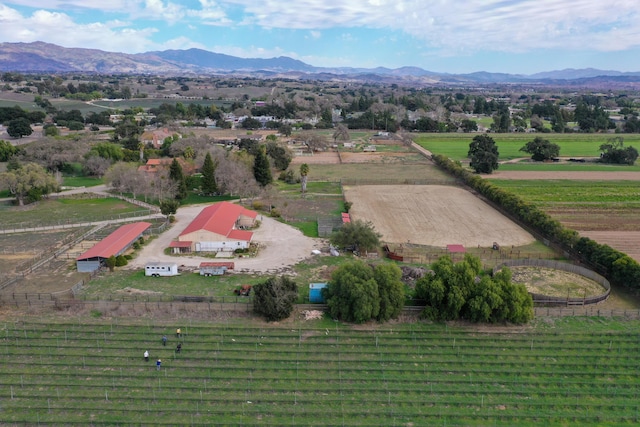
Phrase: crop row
{"type": "Point", "coordinates": [421, 375]}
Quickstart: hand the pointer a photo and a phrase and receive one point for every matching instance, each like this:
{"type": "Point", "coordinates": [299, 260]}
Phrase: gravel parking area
{"type": "Point", "coordinates": [282, 246]}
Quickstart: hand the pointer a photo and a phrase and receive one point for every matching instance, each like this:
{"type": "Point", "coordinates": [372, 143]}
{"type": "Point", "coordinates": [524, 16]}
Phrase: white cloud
{"type": "Point", "coordinates": [497, 25]}
{"type": "Point", "coordinates": [59, 28]}
{"type": "Point", "coordinates": [448, 27]}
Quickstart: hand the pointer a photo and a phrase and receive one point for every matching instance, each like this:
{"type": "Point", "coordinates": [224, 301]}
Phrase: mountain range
{"type": "Point", "coordinates": [46, 57]}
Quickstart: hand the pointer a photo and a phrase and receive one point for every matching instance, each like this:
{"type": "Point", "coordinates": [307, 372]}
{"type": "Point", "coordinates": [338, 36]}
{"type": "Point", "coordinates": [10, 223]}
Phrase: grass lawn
{"type": "Point", "coordinates": [81, 181]}
{"type": "Point", "coordinates": [111, 285]}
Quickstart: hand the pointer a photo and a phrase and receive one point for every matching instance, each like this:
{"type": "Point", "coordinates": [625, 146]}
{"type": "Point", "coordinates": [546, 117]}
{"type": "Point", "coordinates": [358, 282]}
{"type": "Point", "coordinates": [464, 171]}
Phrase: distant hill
{"type": "Point", "coordinates": [46, 57]}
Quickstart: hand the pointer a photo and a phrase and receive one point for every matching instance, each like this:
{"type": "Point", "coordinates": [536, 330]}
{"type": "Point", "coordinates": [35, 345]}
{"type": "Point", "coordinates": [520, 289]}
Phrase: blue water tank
{"type": "Point", "coordinates": [315, 293]}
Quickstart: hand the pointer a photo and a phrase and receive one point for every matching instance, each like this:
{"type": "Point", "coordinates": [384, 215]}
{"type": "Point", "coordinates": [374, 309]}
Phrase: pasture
{"type": "Point", "coordinates": [456, 146]}
{"type": "Point", "coordinates": [60, 211]}
{"type": "Point", "coordinates": [81, 371]}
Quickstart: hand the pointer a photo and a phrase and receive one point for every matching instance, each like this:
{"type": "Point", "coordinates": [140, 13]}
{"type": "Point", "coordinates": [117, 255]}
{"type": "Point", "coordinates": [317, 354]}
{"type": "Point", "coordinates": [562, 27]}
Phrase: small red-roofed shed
{"type": "Point", "coordinates": [114, 244]}
{"type": "Point", "coordinates": [456, 249]}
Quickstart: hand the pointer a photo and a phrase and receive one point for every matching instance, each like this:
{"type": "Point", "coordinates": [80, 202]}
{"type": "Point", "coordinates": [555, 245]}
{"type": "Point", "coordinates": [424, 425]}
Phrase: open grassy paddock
{"type": "Point", "coordinates": [60, 211]}
{"type": "Point", "coordinates": [83, 371]}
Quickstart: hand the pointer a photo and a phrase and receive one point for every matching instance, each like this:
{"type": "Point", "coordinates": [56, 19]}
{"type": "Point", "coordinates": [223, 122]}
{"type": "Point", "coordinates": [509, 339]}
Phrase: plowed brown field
{"type": "Point", "coordinates": [432, 215]}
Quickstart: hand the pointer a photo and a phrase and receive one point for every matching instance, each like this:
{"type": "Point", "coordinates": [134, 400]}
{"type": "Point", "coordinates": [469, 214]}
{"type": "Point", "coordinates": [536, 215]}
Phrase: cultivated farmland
{"type": "Point", "coordinates": [432, 215]}
{"type": "Point", "coordinates": [82, 372]}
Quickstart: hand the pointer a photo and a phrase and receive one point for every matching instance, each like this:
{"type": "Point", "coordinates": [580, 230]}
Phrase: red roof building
{"type": "Point", "coordinates": [220, 227]}
{"type": "Point", "coordinates": [113, 245]}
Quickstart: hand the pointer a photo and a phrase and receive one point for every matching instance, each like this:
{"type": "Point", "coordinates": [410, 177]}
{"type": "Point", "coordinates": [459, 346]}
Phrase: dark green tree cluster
{"type": "Point", "coordinates": [501, 119]}
{"type": "Point", "coordinates": [463, 291]}
{"type": "Point", "coordinates": [592, 118]}
{"type": "Point", "coordinates": [541, 149]}
{"type": "Point", "coordinates": [17, 128]}
{"type": "Point", "coordinates": [251, 123]}
{"type": "Point", "coordinates": [358, 292]}
{"type": "Point", "coordinates": [7, 150]}
{"type": "Point", "coordinates": [208, 182]}
{"type": "Point", "coordinates": [177, 176]}
{"type": "Point", "coordinates": [274, 299]}
{"type": "Point", "coordinates": [261, 168]}
{"type": "Point", "coordinates": [281, 156]}
{"type": "Point", "coordinates": [616, 266]}
{"type": "Point", "coordinates": [614, 151]}
{"type": "Point", "coordinates": [357, 235]}
{"type": "Point", "coordinates": [7, 114]}
{"type": "Point", "coordinates": [483, 153]}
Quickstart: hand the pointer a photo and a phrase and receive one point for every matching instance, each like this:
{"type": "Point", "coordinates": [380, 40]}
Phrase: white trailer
{"type": "Point", "coordinates": [157, 269]}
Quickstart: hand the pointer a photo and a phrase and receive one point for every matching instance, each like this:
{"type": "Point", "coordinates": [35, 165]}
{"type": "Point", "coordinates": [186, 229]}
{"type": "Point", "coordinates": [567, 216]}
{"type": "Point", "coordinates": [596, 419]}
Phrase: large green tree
{"type": "Point", "coordinates": [19, 127]}
{"type": "Point", "coordinates": [464, 291]}
{"type": "Point", "coordinates": [483, 153]}
{"type": "Point", "coordinates": [358, 292]}
{"type": "Point", "coordinates": [281, 155]}
{"type": "Point", "coordinates": [7, 150]}
{"type": "Point", "coordinates": [275, 298]}
{"type": "Point", "coordinates": [177, 176]}
{"type": "Point", "coordinates": [391, 291]}
{"type": "Point", "coordinates": [208, 182]}
{"type": "Point", "coordinates": [358, 235]}
{"type": "Point", "coordinates": [261, 168]}
{"type": "Point", "coordinates": [28, 183]}
{"type": "Point", "coordinates": [352, 293]}
{"type": "Point", "coordinates": [614, 151]}
{"type": "Point", "coordinates": [541, 149]}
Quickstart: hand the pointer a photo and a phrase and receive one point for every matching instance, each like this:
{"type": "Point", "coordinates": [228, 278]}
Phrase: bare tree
{"type": "Point", "coordinates": [160, 186]}
{"type": "Point", "coordinates": [314, 141]}
{"type": "Point", "coordinates": [341, 133]}
{"type": "Point", "coordinates": [96, 166]}
{"type": "Point", "coordinates": [119, 174]}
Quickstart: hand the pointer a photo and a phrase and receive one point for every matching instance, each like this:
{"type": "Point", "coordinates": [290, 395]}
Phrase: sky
{"type": "Point", "coordinates": [446, 36]}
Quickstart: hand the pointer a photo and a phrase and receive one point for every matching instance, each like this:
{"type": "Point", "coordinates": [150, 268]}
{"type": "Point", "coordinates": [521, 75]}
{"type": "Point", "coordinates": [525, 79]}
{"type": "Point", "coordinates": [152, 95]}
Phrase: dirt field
{"type": "Point", "coordinates": [627, 242]}
{"type": "Point", "coordinates": [432, 215]}
{"type": "Point", "coordinates": [348, 157]}
{"type": "Point", "coordinates": [556, 283]}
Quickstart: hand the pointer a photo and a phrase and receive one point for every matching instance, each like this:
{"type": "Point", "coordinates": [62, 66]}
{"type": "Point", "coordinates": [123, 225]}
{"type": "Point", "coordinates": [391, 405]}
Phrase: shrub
{"type": "Point", "coordinates": [121, 261]}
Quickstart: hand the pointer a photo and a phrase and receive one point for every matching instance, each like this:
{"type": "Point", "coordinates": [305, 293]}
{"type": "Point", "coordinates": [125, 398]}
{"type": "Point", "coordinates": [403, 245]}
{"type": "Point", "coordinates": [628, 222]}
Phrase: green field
{"type": "Point", "coordinates": [65, 211]}
{"type": "Point", "coordinates": [567, 167]}
{"type": "Point", "coordinates": [319, 373]}
{"type": "Point", "coordinates": [456, 146]}
{"type": "Point", "coordinates": [573, 192]}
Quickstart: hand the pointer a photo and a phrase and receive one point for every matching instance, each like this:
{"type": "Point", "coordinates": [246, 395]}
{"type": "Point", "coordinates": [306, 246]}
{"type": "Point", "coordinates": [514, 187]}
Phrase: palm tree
{"type": "Point", "coordinates": [141, 148]}
{"type": "Point", "coordinates": [304, 171]}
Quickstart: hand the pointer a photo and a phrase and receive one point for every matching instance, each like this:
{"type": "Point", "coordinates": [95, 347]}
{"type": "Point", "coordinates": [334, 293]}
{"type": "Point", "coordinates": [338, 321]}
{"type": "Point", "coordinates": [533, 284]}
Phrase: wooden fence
{"type": "Point", "coordinates": [545, 300]}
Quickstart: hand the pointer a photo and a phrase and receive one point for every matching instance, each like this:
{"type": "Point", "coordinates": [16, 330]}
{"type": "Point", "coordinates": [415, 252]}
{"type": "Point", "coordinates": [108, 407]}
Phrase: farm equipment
{"type": "Point", "coordinates": [243, 290]}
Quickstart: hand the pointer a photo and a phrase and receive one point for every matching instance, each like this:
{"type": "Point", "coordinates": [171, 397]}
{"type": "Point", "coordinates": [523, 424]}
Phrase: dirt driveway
{"type": "Point", "coordinates": [282, 246]}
